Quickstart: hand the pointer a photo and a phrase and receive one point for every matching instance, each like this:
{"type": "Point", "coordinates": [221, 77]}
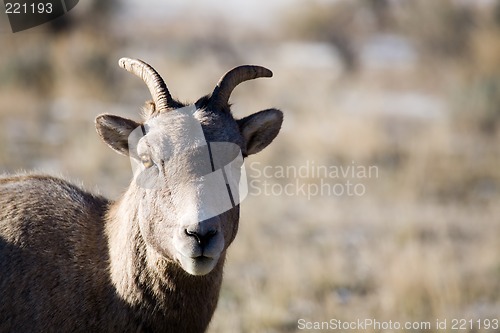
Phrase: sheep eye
{"type": "Point", "coordinates": [146, 160]}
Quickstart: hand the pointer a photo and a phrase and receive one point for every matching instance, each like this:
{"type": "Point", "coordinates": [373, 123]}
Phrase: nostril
{"type": "Point", "coordinates": [192, 234]}
{"type": "Point", "coordinates": [209, 235]}
{"type": "Point", "coordinates": [201, 239]}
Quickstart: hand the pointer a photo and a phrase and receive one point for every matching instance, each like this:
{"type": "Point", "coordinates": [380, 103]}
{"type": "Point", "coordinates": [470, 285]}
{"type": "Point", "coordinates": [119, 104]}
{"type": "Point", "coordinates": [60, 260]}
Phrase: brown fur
{"type": "Point", "coordinates": [55, 272]}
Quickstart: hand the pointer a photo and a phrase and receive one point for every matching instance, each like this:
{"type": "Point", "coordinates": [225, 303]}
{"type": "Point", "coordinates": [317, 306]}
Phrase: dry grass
{"type": "Point", "coordinates": [420, 244]}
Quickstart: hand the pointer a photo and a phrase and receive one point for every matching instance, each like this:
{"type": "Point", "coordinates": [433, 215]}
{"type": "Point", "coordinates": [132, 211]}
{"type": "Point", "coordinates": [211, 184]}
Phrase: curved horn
{"type": "Point", "coordinates": [237, 75]}
{"type": "Point", "coordinates": [156, 85]}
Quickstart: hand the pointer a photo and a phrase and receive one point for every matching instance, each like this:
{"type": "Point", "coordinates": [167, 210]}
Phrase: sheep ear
{"type": "Point", "coordinates": [260, 129]}
{"type": "Point", "coordinates": [115, 131]}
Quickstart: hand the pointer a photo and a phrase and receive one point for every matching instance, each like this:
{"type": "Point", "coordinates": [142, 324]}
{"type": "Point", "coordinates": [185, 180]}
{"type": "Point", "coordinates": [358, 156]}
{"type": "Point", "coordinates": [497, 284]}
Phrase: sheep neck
{"type": "Point", "coordinates": [164, 295]}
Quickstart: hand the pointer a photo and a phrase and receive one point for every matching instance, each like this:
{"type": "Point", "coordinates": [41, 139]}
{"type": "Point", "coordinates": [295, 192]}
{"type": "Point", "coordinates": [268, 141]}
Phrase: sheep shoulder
{"type": "Point", "coordinates": [53, 255]}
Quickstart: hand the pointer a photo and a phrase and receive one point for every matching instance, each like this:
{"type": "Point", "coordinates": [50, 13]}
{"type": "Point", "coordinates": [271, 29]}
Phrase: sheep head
{"type": "Point", "coordinates": [187, 162]}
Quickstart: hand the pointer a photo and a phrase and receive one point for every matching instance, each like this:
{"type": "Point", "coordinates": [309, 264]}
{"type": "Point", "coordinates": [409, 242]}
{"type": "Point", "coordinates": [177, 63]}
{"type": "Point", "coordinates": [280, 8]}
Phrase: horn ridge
{"type": "Point", "coordinates": [157, 87]}
{"type": "Point", "coordinates": [229, 81]}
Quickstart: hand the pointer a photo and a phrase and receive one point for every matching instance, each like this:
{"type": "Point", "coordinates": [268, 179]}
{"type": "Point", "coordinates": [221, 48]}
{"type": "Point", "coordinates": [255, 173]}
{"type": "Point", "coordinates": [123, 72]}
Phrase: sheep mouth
{"type": "Point", "coordinates": [203, 259]}
{"type": "Point", "coordinates": [199, 265]}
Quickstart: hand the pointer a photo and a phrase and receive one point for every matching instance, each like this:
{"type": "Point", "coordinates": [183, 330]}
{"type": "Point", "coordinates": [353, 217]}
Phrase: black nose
{"type": "Point", "coordinates": [201, 238]}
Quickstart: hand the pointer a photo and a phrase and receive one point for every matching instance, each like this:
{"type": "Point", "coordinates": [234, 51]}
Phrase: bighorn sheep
{"type": "Point", "coordinates": [151, 261]}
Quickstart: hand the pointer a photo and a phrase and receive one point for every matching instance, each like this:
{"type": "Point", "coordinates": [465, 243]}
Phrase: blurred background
{"type": "Point", "coordinates": [409, 88]}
